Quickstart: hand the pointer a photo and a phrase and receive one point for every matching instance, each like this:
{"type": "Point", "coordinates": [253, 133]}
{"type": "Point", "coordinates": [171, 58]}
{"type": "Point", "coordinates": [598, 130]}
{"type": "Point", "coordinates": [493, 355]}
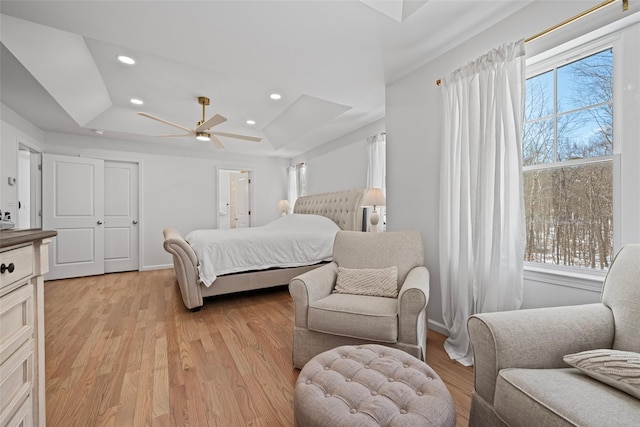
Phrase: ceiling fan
{"type": "Point", "coordinates": [201, 131]}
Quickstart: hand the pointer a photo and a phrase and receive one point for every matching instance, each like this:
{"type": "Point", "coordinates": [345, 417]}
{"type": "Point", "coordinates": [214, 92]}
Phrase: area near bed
{"type": "Point", "coordinates": [216, 262]}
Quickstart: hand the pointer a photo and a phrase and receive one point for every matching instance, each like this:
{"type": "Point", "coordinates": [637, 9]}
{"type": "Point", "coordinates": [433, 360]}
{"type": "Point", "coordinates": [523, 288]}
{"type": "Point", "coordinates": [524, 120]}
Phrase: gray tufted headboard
{"type": "Point", "coordinates": [342, 207]}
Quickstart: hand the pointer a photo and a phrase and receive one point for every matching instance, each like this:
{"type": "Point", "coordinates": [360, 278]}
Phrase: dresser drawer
{"type": "Point", "coordinates": [17, 264]}
{"type": "Point", "coordinates": [16, 380]}
{"type": "Point", "coordinates": [23, 417]}
{"type": "Point", "coordinates": [16, 318]}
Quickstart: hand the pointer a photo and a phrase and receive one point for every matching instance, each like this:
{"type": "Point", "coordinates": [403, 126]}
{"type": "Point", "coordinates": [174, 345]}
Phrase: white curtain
{"type": "Point", "coordinates": [481, 202]}
{"type": "Point", "coordinates": [377, 170]}
{"type": "Point", "coordinates": [297, 182]}
{"type": "Point", "coordinates": [377, 152]}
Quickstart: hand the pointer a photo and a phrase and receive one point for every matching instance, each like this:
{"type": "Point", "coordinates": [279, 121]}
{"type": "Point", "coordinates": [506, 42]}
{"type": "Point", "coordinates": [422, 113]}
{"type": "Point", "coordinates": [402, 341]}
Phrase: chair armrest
{"type": "Point", "coordinates": [412, 302]}
{"type": "Point", "coordinates": [534, 338]}
{"type": "Point", "coordinates": [311, 286]}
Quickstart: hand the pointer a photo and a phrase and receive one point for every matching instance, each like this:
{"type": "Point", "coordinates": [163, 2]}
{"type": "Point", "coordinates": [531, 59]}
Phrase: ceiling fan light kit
{"type": "Point", "coordinates": [203, 136]}
{"type": "Point", "coordinates": [200, 131]}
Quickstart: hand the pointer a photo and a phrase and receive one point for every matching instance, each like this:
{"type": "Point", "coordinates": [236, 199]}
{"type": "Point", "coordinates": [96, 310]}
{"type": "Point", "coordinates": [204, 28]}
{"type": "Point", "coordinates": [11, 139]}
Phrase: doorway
{"type": "Point", "coordinates": [29, 209]}
{"type": "Point", "coordinates": [234, 198]}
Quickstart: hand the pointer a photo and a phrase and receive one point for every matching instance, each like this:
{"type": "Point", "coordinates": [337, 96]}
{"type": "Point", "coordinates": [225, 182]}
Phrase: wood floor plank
{"type": "Point", "coordinates": [121, 350]}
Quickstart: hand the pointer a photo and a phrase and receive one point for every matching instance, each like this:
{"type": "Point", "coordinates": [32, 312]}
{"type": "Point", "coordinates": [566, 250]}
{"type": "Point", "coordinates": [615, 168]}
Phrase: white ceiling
{"type": "Point", "coordinates": [330, 60]}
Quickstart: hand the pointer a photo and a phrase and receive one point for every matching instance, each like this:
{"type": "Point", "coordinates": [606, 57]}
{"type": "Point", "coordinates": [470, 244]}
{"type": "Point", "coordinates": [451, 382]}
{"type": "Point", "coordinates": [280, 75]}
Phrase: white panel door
{"type": "Point", "coordinates": [73, 205]}
{"type": "Point", "coordinates": [120, 216]}
{"type": "Point", "coordinates": [243, 206]}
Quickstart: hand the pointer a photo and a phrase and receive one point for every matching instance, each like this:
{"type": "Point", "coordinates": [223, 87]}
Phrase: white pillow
{"type": "Point", "coordinates": [619, 369]}
{"type": "Point", "coordinates": [377, 282]}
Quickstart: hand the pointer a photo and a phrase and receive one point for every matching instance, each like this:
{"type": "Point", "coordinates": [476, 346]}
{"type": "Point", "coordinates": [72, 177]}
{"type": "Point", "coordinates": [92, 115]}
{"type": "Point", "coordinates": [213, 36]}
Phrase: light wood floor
{"type": "Point", "coordinates": [121, 350]}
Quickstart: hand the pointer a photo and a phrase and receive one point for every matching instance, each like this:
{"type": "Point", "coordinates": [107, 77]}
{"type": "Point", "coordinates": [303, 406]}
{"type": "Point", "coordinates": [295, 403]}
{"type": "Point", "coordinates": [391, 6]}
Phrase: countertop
{"type": "Point", "coordinates": [16, 236]}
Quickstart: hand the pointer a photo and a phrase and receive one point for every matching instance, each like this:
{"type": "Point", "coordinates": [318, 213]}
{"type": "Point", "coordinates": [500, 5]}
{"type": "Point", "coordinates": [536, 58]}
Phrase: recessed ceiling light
{"type": "Point", "coordinates": [275, 96]}
{"type": "Point", "coordinates": [99, 131]}
{"type": "Point", "coordinates": [136, 101]}
{"type": "Point", "coordinates": [251, 122]}
{"type": "Point", "coordinates": [126, 60]}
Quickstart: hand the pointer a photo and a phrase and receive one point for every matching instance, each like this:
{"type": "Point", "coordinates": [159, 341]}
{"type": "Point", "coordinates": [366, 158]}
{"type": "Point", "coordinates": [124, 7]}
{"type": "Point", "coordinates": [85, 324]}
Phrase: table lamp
{"type": "Point", "coordinates": [374, 197]}
{"type": "Point", "coordinates": [284, 206]}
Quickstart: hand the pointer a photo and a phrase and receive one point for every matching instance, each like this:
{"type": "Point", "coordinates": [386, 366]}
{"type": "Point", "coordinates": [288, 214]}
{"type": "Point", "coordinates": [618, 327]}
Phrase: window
{"type": "Point", "coordinates": [568, 151]}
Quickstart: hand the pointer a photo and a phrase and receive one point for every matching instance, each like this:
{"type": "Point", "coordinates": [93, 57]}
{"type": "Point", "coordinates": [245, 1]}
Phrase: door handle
{"type": "Point", "coordinates": [99, 222]}
{"type": "Point", "coordinates": [135, 221]}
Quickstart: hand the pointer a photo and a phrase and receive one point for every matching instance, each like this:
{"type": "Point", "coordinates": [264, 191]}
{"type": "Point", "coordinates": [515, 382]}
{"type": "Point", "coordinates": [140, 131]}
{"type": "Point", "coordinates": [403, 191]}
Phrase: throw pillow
{"type": "Point", "coordinates": [619, 369]}
{"type": "Point", "coordinates": [377, 282]}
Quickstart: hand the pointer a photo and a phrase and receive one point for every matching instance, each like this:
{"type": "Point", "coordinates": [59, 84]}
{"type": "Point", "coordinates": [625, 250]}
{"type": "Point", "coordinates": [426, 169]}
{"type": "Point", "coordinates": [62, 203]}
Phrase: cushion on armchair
{"type": "Point", "coordinates": [619, 369]}
{"type": "Point", "coordinates": [357, 316]}
{"type": "Point", "coordinates": [377, 282]}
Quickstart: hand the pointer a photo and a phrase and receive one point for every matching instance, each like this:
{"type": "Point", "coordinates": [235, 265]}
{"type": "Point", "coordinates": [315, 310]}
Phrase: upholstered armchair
{"type": "Point", "coordinates": [562, 366]}
{"type": "Point", "coordinates": [325, 319]}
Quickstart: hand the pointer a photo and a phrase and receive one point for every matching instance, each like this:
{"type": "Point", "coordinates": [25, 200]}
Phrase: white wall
{"type": "Point", "coordinates": [224, 198]}
{"type": "Point", "coordinates": [340, 164]}
{"type": "Point", "coordinates": [179, 187]}
{"type": "Point", "coordinates": [413, 125]}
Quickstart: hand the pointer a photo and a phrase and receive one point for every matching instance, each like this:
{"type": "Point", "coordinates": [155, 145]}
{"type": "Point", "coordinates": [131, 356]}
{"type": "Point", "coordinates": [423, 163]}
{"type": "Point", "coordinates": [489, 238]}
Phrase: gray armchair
{"type": "Point", "coordinates": [324, 319]}
{"type": "Point", "coordinates": [520, 376]}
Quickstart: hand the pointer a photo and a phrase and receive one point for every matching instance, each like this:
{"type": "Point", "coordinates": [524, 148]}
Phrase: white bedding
{"type": "Point", "coordinates": [290, 241]}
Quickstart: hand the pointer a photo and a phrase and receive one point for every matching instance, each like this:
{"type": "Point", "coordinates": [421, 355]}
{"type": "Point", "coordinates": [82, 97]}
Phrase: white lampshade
{"type": "Point", "coordinates": [284, 206]}
{"type": "Point", "coordinates": [374, 197]}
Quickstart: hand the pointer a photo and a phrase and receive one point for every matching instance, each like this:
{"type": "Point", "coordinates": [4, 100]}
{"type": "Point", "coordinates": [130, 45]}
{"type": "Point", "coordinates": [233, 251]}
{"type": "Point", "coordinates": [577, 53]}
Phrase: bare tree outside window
{"type": "Point", "coordinates": [568, 165]}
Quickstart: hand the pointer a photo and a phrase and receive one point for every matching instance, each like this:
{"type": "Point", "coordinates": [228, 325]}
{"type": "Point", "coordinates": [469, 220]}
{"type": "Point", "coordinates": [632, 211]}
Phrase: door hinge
{"type": "Point", "coordinates": [40, 166]}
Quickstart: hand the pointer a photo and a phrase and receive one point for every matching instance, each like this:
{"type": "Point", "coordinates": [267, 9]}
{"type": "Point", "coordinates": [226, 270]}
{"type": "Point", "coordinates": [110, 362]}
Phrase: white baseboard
{"type": "Point", "coordinates": [438, 327]}
{"type": "Point", "coordinates": [156, 267]}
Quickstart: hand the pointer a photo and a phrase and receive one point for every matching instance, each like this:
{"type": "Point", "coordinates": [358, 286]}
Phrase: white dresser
{"type": "Point", "coordinates": [23, 262]}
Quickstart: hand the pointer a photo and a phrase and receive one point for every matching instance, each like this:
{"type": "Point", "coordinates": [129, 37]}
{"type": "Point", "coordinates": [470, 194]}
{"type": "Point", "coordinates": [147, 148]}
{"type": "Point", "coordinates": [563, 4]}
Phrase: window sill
{"type": "Point", "coordinates": [572, 278]}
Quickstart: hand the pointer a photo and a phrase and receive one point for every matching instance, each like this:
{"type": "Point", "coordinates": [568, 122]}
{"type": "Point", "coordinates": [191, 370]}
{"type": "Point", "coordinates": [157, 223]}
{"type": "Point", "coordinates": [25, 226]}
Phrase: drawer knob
{"type": "Point", "coordinates": [5, 267]}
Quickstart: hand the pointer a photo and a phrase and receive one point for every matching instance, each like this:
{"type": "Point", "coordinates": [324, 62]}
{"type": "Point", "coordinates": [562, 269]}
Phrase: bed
{"type": "Point", "coordinates": [341, 207]}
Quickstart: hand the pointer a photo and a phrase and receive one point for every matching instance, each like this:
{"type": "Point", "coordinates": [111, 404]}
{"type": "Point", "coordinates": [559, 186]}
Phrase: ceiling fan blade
{"type": "Point", "coordinates": [233, 135]}
{"type": "Point", "coordinates": [149, 116]}
{"type": "Point", "coordinates": [173, 136]}
{"type": "Point", "coordinates": [216, 141]}
{"type": "Point", "coordinates": [213, 121]}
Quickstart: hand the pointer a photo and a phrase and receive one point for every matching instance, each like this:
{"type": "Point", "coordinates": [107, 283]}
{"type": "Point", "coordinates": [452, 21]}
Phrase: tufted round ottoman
{"type": "Point", "coordinates": [370, 385]}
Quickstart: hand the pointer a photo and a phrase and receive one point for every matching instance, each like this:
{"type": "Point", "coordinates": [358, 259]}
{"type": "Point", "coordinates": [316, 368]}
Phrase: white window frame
{"type": "Point", "coordinates": [578, 277]}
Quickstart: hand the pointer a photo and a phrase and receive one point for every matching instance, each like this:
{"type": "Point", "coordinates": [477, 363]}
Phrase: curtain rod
{"type": "Point", "coordinates": [625, 7]}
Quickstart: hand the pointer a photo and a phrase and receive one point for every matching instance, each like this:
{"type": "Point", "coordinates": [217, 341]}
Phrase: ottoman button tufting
{"type": "Point", "coordinates": [413, 379]}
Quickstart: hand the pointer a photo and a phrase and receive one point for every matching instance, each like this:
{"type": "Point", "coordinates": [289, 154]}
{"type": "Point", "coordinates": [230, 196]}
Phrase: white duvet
{"type": "Point", "coordinates": [290, 241]}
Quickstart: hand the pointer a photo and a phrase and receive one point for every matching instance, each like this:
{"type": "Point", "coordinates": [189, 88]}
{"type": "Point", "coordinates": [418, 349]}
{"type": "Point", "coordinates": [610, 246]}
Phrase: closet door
{"type": "Point", "coordinates": [73, 205]}
{"type": "Point", "coordinates": [121, 216]}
